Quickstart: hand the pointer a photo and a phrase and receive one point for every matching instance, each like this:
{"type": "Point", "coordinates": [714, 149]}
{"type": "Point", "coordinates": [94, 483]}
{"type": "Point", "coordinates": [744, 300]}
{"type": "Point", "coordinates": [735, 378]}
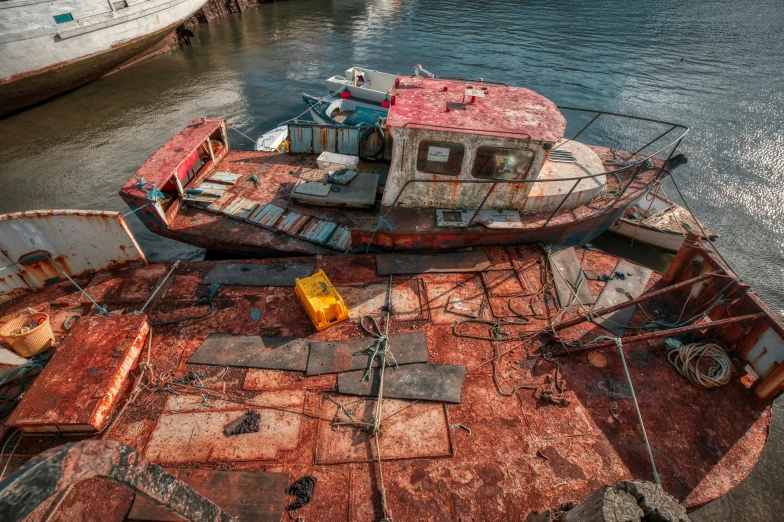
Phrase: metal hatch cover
{"type": "Point", "coordinates": [389, 264]}
{"type": "Point", "coordinates": [354, 354]}
{"type": "Point", "coordinates": [254, 274]}
{"type": "Point", "coordinates": [428, 382]}
{"type": "Point", "coordinates": [252, 351]}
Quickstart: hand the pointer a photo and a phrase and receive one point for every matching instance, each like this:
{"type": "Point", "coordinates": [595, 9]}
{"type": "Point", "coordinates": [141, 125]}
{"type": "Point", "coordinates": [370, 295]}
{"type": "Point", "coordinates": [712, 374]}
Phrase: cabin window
{"type": "Point", "coordinates": [122, 4]}
{"type": "Point", "coordinates": [498, 163]}
{"type": "Point", "coordinates": [62, 18]}
{"type": "Point", "coordinates": [440, 157]}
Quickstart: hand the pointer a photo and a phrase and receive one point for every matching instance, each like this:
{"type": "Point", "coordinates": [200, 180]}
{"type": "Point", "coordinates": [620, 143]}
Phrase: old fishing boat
{"type": "Point", "coordinates": [363, 84]}
{"type": "Point", "coordinates": [657, 221]}
{"type": "Point", "coordinates": [514, 380]}
{"type": "Point", "coordinates": [469, 164]}
{"type": "Point", "coordinates": [48, 47]}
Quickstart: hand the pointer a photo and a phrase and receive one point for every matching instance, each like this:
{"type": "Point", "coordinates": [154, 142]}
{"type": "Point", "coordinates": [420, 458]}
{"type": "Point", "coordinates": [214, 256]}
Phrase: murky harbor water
{"type": "Point", "coordinates": [714, 66]}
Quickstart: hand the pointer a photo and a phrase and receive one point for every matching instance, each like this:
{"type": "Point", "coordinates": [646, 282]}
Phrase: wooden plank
{"type": "Point", "coordinates": [428, 382]}
{"type": "Point", "coordinates": [388, 264]}
{"type": "Point", "coordinates": [567, 274]}
{"type": "Point", "coordinates": [616, 290]}
{"type": "Point", "coordinates": [250, 496]}
{"type": "Point", "coordinates": [253, 274]}
{"type": "Point", "coordinates": [354, 354]}
{"type": "Point", "coordinates": [252, 351]}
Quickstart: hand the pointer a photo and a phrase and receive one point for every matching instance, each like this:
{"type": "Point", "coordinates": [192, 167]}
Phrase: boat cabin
{"type": "Point", "coordinates": [468, 146]}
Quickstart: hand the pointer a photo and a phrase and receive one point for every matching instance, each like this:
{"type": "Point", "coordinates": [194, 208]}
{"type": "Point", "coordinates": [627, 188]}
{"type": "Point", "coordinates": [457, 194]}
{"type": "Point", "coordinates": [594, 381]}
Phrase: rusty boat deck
{"type": "Point", "coordinates": [501, 453]}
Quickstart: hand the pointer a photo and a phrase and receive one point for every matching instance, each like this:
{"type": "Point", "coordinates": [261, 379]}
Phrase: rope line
{"type": "Point", "coordinates": [687, 358]}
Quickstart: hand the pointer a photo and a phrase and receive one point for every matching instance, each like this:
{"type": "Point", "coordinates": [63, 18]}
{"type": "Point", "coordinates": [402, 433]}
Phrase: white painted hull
{"type": "Point", "coordinates": [375, 89]}
{"type": "Point", "coordinates": [32, 44]}
{"type": "Point", "coordinates": [664, 240]}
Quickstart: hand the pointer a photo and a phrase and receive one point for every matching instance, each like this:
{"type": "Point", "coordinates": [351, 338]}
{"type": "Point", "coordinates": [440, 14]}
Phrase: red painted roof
{"type": "Point", "coordinates": [161, 165]}
{"type": "Point", "coordinates": [511, 112]}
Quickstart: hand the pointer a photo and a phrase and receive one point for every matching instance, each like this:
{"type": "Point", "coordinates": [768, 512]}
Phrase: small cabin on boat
{"type": "Point", "coordinates": [467, 146]}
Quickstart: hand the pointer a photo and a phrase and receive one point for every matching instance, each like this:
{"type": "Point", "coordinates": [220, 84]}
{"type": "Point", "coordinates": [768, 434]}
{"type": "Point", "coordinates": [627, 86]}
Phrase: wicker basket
{"type": "Point", "coordinates": [28, 341]}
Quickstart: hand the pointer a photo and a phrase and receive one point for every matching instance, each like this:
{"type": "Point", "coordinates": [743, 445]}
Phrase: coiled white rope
{"type": "Point", "coordinates": [687, 358]}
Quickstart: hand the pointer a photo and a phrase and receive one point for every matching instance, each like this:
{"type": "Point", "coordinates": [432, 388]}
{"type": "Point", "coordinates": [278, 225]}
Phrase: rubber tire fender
{"type": "Point", "coordinates": [363, 137]}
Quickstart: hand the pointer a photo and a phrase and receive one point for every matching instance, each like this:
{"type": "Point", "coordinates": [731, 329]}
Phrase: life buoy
{"type": "Point", "coordinates": [363, 137]}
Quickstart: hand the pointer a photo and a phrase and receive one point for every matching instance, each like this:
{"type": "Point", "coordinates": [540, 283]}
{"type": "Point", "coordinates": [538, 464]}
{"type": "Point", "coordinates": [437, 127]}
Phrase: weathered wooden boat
{"type": "Point", "coordinates": [363, 84]}
{"type": "Point", "coordinates": [470, 165]}
{"type": "Point", "coordinates": [214, 371]}
{"type": "Point", "coordinates": [657, 221]}
{"type": "Point", "coordinates": [341, 111]}
{"type": "Point", "coordinates": [48, 47]}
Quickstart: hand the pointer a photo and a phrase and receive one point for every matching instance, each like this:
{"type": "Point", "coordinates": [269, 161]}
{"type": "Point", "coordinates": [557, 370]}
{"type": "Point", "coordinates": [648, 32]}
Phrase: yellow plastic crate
{"type": "Point", "coordinates": [322, 302]}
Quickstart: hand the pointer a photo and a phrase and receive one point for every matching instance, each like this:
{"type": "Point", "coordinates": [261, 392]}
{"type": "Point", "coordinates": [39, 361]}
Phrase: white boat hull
{"type": "Point", "coordinates": [40, 58]}
{"type": "Point", "coordinates": [664, 240]}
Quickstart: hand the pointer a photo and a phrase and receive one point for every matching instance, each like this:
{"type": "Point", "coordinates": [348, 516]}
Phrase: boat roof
{"type": "Point", "coordinates": [510, 112]}
{"type": "Point", "coordinates": [161, 165]}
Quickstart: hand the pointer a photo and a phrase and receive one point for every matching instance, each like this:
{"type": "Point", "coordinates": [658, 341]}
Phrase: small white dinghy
{"type": "Point", "coordinates": [364, 84]}
{"type": "Point", "coordinates": [273, 140]}
{"type": "Point", "coordinates": [657, 221]}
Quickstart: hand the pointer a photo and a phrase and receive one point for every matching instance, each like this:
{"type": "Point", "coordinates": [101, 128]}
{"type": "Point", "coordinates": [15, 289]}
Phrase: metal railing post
{"type": "Point", "coordinates": [561, 203]}
{"type": "Point", "coordinates": [482, 204]}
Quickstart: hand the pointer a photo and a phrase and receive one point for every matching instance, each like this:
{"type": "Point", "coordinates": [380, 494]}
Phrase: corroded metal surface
{"type": "Point", "coordinates": [65, 236]}
{"type": "Point", "coordinates": [523, 453]}
{"type": "Point", "coordinates": [56, 470]}
{"type": "Point", "coordinates": [81, 382]}
{"type": "Point", "coordinates": [504, 111]}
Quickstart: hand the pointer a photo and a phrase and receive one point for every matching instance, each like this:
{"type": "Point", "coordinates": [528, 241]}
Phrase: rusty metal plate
{"type": "Point", "coordinates": [253, 274]}
{"type": "Point", "coordinates": [292, 223]}
{"type": "Point", "coordinates": [412, 430]}
{"type": "Point", "coordinates": [221, 487]}
{"type": "Point", "coordinates": [266, 215]}
{"type": "Point", "coordinates": [354, 354]}
{"type": "Point", "coordinates": [615, 292]}
{"type": "Point", "coordinates": [77, 388]}
{"type": "Point", "coordinates": [389, 264]}
{"type": "Point", "coordinates": [566, 267]}
{"type": "Point", "coordinates": [252, 351]}
{"type": "Point", "coordinates": [191, 430]}
{"type": "Point", "coordinates": [427, 382]}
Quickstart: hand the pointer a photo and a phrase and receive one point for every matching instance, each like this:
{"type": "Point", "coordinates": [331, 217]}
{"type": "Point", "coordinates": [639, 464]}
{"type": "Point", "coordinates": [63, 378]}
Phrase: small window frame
{"type": "Point", "coordinates": [426, 166]}
{"type": "Point", "coordinates": [521, 176]}
{"type": "Point", "coordinates": [63, 18]}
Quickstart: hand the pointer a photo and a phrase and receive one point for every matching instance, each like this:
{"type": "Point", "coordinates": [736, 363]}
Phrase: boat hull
{"type": "Point", "coordinates": [38, 63]}
{"type": "Point", "coordinates": [39, 86]}
{"type": "Point", "coordinates": [650, 236]}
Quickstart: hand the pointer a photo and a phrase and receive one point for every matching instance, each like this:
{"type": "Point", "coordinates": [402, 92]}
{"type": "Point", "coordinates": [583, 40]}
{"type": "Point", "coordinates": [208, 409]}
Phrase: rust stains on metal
{"type": "Point", "coordinates": [504, 111]}
{"type": "Point", "coordinates": [493, 474]}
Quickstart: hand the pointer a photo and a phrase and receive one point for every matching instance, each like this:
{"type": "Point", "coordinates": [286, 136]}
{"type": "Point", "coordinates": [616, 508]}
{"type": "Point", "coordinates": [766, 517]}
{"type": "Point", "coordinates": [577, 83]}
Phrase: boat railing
{"type": "Point", "coordinates": [639, 164]}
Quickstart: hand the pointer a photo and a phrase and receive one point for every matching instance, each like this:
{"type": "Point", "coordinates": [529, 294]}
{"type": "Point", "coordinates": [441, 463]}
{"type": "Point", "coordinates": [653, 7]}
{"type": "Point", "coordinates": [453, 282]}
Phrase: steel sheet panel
{"type": "Point", "coordinates": [301, 139]}
{"type": "Point", "coordinates": [80, 241]}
